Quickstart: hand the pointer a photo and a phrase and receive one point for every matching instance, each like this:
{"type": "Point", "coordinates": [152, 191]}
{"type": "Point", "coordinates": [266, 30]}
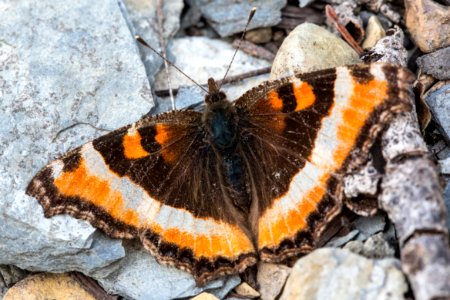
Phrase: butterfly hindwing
{"type": "Point", "coordinates": [304, 133]}
{"type": "Point", "coordinates": [155, 180]}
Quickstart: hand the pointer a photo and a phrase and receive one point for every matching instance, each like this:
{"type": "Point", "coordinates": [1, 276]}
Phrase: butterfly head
{"type": "Point", "coordinates": [214, 93]}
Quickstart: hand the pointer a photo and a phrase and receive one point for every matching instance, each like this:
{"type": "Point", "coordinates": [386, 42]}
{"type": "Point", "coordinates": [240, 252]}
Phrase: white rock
{"type": "Point", "coordinates": [309, 48]}
{"type": "Point", "coordinates": [339, 274]}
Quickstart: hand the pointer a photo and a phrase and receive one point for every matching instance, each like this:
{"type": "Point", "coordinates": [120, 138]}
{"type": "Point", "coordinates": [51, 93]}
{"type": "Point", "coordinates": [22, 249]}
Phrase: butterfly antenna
{"type": "Point", "coordinates": [144, 43]}
{"type": "Point", "coordinates": [250, 17]}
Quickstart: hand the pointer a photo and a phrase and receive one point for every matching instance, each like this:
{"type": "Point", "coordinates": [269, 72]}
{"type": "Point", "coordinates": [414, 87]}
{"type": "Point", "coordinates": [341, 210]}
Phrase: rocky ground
{"type": "Point", "coordinates": [72, 71]}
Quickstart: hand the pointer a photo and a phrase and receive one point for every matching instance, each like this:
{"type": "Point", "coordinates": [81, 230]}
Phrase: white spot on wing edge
{"type": "Point", "coordinates": [377, 71]}
{"type": "Point", "coordinates": [57, 167]}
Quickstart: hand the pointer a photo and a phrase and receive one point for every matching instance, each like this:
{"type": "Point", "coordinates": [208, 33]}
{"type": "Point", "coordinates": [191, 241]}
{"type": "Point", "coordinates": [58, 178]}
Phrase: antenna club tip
{"type": "Point", "coordinates": [252, 13]}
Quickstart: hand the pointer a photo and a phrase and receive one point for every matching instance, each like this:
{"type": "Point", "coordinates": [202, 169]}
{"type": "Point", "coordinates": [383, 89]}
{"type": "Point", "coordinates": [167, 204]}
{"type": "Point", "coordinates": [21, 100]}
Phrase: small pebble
{"type": "Point", "coordinates": [259, 36]}
{"type": "Point", "coordinates": [438, 100]}
{"type": "Point", "coordinates": [271, 279]}
{"type": "Point", "coordinates": [436, 64]}
{"type": "Point", "coordinates": [247, 291]}
{"type": "Point", "coordinates": [374, 32]}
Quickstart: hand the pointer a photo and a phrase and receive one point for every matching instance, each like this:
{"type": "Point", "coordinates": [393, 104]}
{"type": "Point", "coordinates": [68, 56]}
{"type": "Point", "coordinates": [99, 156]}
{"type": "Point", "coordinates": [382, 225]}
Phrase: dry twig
{"type": "Point", "coordinates": [333, 19]}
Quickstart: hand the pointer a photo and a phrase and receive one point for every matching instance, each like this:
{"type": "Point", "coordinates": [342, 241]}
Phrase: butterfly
{"type": "Point", "coordinates": [257, 179]}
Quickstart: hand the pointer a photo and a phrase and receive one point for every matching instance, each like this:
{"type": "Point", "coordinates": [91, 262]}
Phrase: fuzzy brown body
{"type": "Point", "coordinates": [254, 179]}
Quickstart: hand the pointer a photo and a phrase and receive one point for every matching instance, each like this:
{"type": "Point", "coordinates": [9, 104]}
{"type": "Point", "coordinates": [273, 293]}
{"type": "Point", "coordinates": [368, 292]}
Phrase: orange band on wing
{"type": "Point", "coordinates": [230, 244]}
{"type": "Point", "coordinates": [304, 95]}
{"type": "Point", "coordinates": [79, 183]}
{"type": "Point", "coordinates": [132, 146]}
{"type": "Point", "coordinates": [286, 226]}
{"type": "Point", "coordinates": [364, 99]}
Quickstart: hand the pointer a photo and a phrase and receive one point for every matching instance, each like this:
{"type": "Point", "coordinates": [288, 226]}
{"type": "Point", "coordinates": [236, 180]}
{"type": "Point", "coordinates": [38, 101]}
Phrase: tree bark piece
{"type": "Point", "coordinates": [426, 262]}
{"type": "Point", "coordinates": [412, 197]}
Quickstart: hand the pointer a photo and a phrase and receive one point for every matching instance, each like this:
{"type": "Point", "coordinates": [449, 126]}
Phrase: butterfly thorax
{"type": "Point", "coordinates": [220, 119]}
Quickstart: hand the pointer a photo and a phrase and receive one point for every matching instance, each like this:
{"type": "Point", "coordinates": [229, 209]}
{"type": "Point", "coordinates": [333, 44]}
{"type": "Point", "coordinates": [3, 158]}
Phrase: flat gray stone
{"type": "Point", "coordinates": [201, 58]}
{"type": "Point", "coordinates": [436, 64]}
{"type": "Point", "coordinates": [60, 64]}
{"type": "Point", "coordinates": [229, 17]}
{"type": "Point", "coordinates": [341, 274]}
{"type": "Point", "coordinates": [342, 240]}
{"type": "Point", "coordinates": [438, 100]}
{"type": "Point", "coordinates": [142, 20]}
{"type": "Point", "coordinates": [140, 277]}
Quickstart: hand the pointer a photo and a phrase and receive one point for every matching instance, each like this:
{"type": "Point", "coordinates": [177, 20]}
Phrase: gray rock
{"type": "Point", "coordinates": [330, 273]}
{"type": "Point", "coordinates": [368, 226]}
{"type": "Point", "coordinates": [304, 3]}
{"type": "Point", "coordinates": [342, 240]}
{"type": "Point", "coordinates": [140, 277]}
{"type": "Point", "coordinates": [228, 17]}
{"type": "Point", "coordinates": [445, 166]}
{"type": "Point", "coordinates": [436, 64]}
{"type": "Point", "coordinates": [374, 247]}
{"type": "Point", "coordinates": [438, 100]}
{"type": "Point", "coordinates": [191, 17]}
{"type": "Point", "coordinates": [447, 203]}
{"type": "Point", "coordinates": [309, 48]}
{"type": "Point", "coordinates": [201, 58]}
{"type": "Point", "coordinates": [142, 20]}
{"type": "Point", "coordinates": [271, 279]}
{"type": "Point", "coordinates": [60, 66]}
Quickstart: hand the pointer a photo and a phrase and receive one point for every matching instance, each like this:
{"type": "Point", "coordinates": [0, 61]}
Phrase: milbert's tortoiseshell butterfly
{"type": "Point", "coordinates": [254, 179]}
